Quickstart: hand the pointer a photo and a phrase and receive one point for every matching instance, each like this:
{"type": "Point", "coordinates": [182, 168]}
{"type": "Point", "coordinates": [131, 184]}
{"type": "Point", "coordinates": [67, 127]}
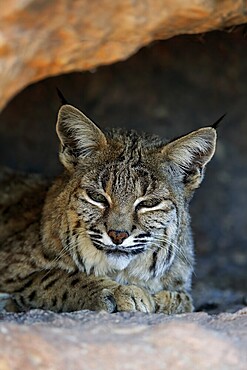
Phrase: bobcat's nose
{"type": "Point", "coordinates": [118, 236]}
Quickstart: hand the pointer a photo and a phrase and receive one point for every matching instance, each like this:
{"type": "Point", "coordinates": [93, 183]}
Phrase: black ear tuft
{"type": "Point", "coordinates": [61, 97]}
{"type": "Point", "coordinates": [216, 124]}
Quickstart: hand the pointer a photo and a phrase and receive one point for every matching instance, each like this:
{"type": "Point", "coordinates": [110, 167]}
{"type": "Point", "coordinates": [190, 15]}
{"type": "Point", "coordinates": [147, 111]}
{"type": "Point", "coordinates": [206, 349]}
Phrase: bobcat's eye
{"type": "Point", "coordinates": [148, 203]}
{"type": "Point", "coordinates": [97, 197]}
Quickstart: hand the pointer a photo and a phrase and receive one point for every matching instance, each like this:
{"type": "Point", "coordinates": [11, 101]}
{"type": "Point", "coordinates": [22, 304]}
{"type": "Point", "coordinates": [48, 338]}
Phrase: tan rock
{"type": "Point", "coordinates": [98, 341]}
{"type": "Point", "coordinates": [44, 38]}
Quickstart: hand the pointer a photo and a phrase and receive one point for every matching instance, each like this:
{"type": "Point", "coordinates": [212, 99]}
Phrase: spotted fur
{"type": "Point", "coordinates": [114, 233]}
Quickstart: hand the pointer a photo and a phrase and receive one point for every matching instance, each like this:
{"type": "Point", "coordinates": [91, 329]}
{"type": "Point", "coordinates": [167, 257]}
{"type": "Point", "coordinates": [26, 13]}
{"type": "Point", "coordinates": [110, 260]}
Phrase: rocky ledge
{"type": "Point", "coordinates": [89, 340]}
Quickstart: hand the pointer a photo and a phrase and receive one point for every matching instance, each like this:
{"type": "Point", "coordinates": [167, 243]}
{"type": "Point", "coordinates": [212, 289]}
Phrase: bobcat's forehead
{"type": "Point", "coordinates": [119, 179]}
{"type": "Point", "coordinates": [126, 169]}
{"type": "Point", "coordinates": [125, 179]}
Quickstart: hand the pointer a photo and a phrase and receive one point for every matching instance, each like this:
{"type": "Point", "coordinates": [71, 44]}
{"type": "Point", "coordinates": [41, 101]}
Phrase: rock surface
{"type": "Point", "coordinates": [44, 38]}
{"type": "Point", "coordinates": [98, 341]}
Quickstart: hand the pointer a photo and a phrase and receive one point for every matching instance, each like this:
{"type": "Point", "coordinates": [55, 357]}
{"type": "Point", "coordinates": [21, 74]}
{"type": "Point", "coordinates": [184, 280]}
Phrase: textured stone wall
{"type": "Point", "coordinates": [45, 38]}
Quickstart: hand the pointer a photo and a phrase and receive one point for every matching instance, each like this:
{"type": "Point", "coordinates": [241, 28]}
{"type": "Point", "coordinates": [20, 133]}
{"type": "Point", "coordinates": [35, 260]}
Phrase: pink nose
{"type": "Point", "coordinates": [118, 236]}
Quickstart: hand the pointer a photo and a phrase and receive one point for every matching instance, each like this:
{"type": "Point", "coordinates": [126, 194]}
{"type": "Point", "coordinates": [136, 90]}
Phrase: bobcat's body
{"type": "Point", "coordinates": [114, 232]}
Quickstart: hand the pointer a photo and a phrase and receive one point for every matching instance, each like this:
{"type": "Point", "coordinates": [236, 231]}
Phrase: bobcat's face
{"type": "Point", "coordinates": [128, 192]}
{"type": "Point", "coordinates": [126, 210]}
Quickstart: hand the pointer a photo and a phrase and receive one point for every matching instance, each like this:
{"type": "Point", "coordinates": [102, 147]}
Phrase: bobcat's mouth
{"type": "Point", "coordinates": [118, 250]}
{"type": "Point", "coordinates": [103, 243]}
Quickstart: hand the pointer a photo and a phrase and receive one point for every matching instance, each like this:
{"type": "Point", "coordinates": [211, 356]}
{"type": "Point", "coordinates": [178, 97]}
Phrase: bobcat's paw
{"type": "Point", "coordinates": [4, 299]}
{"type": "Point", "coordinates": [7, 303]}
{"type": "Point", "coordinates": [121, 298]}
{"type": "Point", "coordinates": [106, 301]}
{"type": "Point", "coordinates": [125, 298]}
{"type": "Point", "coordinates": [173, 302]}
{"type": "Point", "coordinates": [133, 298]}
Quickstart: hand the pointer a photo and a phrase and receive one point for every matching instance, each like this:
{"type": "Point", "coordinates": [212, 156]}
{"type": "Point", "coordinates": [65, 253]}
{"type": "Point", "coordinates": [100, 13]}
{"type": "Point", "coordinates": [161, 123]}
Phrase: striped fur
{"type": "Point", "coordinates": [134, 188]}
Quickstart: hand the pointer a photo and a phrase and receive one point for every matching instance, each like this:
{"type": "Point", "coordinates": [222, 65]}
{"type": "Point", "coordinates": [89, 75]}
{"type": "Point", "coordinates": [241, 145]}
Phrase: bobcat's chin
{"type": "Point", "coordinates": [119, 261]}
{"type": "Point", "coordinates": [119, 256]}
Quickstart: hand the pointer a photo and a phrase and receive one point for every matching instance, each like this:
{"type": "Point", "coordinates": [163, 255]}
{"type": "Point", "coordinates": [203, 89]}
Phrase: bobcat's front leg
{"type": "Point", "coordinates": [173, 302]}
{"type": "Point", "coordinates": [59, 291]}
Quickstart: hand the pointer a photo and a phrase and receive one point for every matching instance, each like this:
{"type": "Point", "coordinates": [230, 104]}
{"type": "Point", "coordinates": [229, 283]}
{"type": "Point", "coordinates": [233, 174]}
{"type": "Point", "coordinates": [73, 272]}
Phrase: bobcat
{"type": "Point", "coordinates": [113, 231]}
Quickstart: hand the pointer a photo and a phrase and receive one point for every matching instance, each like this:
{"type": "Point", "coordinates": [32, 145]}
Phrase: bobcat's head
{"type": "Point", "coordinates": [130, 191]}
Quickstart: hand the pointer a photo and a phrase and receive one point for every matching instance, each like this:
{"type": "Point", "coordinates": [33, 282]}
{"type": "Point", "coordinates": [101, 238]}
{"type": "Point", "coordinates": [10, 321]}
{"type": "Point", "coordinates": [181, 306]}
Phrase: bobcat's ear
{"type": "Point", "coordinates": [191, 153]}
{"type": "Point", "coordinates": [79, 137]}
